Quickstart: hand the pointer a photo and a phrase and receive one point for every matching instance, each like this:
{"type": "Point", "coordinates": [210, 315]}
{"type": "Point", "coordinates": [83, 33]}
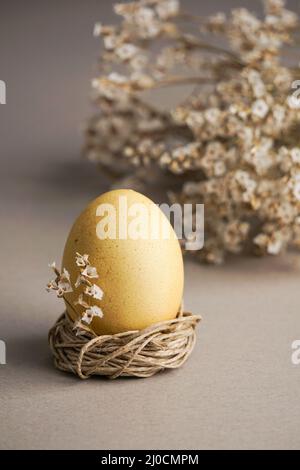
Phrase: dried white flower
{"type": "Point", "coordinates": [167, 8]}
{"type": "Point", "coordinates": [296, 190]}
{"type": "Point", "coordinates": [82, 260]}
{"type": "Point", "coordinates": [295, 154]}
{"type": "Point", "coordinates": [126, 51]}
{"type": "Point", "coordinates": [260, 109]}
{"type": "Point", "coordinates": [62, 284]}
{"type": "Point", "coordinates": [217, 20]}
{"type": "Point", "coordinates": [117, 78]}
{"type": "Point", "coordinates": [98, 29]}
{"type": "Point", "coordinates": [90, 272]}
{"type": "Point", "coordinates": [90, 313]}
{"type": "Point", "coordinates": [94, 291]}
{"type": "Point", "coordinates": [110, 42]}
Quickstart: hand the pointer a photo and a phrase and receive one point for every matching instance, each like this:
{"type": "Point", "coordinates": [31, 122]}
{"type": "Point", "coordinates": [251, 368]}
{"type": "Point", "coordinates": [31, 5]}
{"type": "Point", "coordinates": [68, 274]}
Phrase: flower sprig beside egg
{"type": "Point", "coordinates": [62, 285]}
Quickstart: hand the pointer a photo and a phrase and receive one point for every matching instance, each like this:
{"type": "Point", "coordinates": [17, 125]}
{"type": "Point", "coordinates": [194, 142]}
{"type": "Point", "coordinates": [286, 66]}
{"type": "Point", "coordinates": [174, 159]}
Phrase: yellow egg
{"type": "Point", "coordinates": [140, 272]}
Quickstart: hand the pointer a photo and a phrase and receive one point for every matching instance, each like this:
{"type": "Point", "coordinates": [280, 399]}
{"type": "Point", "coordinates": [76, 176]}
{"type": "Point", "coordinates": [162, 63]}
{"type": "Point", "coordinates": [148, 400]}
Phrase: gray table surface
{"type": "Point", "coordinates": [238, 390]}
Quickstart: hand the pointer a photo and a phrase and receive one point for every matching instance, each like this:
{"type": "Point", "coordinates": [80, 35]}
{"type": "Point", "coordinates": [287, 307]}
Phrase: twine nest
{"type": "Point", "coordinates": [140, 353]}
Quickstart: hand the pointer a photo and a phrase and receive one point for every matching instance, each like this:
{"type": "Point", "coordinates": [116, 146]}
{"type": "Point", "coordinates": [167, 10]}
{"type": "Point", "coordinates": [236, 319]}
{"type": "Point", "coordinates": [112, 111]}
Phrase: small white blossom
{"type": "Point", "coordinates": [295, 154]}
{"type": "Point", "coordinates": [217, 20]}
{"type": "Point", "coordinates": [141, 18]}
{"type": "Point", "coordinates": [279, 113]}
{"type": "Point", "coordinates": [126, 51]}
{"type": "Point", "coordinates": [94, 291]}
{"type": "Point", "coordinates": [62, 284]}
{"type": "Point", "coordinates": [90, 272]}
{"type": "Point", "coordinates": [289, 19]}
{"type": "Point", "coordinates": [213, 116]}
{"type": "Point", "coordinates": [138, 62]}
{"type": "Point", "coordinates": [167, 8]}
{"type": "Point", "coordinates": [274, 6]}
{"type": "Point", "coordinates": [195, 120]}
{"type": "Point", "coordinates": [82, 260]}
{"type": "Point", "coordinates": [257, 83]}
{"type": "Point", "coordinates": [110, 42]}
{"type": "Point", "coordinates": [52, 285]}
{"type": "Point", "coordinates": [296, 191]}
{"type": "Point", "coordinates": [260, 109]}
{"type": "Point", "coordinates": [97, 29]}
{"type": "Point", "coordinates": [219, 168]}
{"type": "Point", "coordinates": [117, 78]}
{"type": "Point", "coordinates": [274, 247]}
{"type": "Point", "coordinates": [90, 313]}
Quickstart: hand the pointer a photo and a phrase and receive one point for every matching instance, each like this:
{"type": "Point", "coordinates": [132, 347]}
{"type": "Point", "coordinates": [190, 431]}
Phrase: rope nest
{"type": "Point", "coordinates": [140, 353]}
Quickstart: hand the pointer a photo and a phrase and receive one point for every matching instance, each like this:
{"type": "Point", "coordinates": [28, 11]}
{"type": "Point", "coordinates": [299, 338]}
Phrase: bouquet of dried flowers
{"type": "Point", "coordinates": [233, 143]}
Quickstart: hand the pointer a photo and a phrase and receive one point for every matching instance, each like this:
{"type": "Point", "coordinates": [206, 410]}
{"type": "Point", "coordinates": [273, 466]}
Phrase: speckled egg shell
{"type": "Point", "coordinates": [142, 279]}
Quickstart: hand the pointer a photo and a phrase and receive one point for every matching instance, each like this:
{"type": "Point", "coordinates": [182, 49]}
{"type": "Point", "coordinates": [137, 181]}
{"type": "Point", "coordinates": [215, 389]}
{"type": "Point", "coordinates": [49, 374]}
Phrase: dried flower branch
{"type": "Point", "coordinates": [234, 142]}
{"type": "Point", "coordinates": [62, 286]}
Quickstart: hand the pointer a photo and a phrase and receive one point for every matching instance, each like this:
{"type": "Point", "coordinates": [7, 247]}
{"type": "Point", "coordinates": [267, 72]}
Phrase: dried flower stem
{"type": "Point", "coordinates": [62, 285]}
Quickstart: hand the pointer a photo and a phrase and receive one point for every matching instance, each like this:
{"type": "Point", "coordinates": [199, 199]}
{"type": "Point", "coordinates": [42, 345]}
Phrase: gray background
{"type": "Point", "coordinates": [239, 388]}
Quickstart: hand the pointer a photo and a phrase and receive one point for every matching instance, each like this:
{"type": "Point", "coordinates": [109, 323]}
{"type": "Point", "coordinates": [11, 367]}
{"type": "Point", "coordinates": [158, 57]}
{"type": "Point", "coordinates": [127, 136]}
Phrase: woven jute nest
{"type": "Point", "coordinates": [141, 353]}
